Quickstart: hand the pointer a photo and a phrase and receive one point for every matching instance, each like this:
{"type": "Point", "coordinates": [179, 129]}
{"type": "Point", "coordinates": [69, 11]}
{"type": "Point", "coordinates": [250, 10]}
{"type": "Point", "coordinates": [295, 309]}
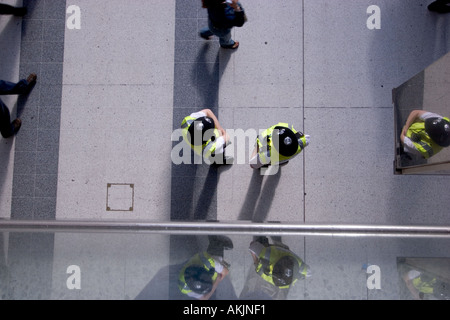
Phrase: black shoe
{"type": "Point", "coordinates": [439, 7]}
{"type": "Point", "coordinates": [221, 241]}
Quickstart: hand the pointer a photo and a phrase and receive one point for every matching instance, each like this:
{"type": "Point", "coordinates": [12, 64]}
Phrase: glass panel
{"type": "Point", "coordinates": [427, 91]}
{"type": "Point", "coordinates": [126, 266]}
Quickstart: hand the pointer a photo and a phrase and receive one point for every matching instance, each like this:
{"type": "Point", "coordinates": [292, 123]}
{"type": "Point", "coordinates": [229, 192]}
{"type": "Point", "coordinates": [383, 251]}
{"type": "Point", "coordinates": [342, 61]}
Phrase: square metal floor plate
{"type": "Point", "coordinates": [120, 197]}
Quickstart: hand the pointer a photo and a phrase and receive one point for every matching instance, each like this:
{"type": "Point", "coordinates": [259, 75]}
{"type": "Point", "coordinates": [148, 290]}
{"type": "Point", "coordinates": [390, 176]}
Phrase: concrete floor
{"type": "Point", "coordinates": [96, 141]}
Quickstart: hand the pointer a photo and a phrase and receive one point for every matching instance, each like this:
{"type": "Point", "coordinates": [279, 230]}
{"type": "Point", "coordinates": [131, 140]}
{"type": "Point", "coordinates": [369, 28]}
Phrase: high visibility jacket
{"type": "Point", "coordinates": [208, 148]}
{"type": "Point", "coordinates": [203, 259]}
{"type": "Point", "coordinates": [268, 154]}
{"type": "Point", "coordinates": [270, 255]}
{"type": "Point", "coordinates": [422, 141]}
{"type": "Point", "coordinates": [424, 286]}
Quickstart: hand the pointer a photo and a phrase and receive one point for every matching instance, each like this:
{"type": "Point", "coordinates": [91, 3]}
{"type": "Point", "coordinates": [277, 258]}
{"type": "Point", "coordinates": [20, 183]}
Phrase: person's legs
{"type": "Point", "coordinates": [21, 87]}
{"type": "Point", "coordinates": [17, 11]}
{"type": "Point", "coordinates": [440, 6]}
{"type": "Point", "coordinates": [224, 36]}
{"type": "Point", "coordinates": [7, 128]}
{"type": "Point", "coordinates": [7, 87]}
{"type": "Point", "coordinates": [205, 33]}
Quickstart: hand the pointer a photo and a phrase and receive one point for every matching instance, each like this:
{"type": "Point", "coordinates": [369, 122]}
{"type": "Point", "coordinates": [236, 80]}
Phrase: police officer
{"type": "Point", "coordinates": [201, 275]}
{"type": "Point", "coordinates": [277, 145]}
{"type": "Point", "coordinates": [204, 134]}
{"type": "Point", "coordinates": [276, 267]}
{"type": "Point", "coordinates": [425, 133]}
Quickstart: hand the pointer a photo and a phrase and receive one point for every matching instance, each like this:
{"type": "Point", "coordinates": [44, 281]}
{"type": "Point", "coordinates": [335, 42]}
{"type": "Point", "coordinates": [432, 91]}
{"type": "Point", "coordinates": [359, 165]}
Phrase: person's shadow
{"type": "Point", "coordinates": [259, 200]}
{"type": "Point", "coordinates": [207, 76]}
{"type": "Point", "coordinates": [188, 202]}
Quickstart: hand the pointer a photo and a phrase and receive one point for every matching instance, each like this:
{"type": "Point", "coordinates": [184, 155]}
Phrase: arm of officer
{"type": "Point", "coordinates": [219, 278]}
{"type": "Point", "coordinates": [222, 131]}
{"type": "Point", "coordinates": [413, 117]}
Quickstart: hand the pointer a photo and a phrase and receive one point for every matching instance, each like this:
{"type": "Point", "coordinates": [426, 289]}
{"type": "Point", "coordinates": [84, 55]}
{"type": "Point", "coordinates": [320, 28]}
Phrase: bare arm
{"type": "Point", "coordinates": [413, 117]}
{"type": "Point", "coordinates": [222, 131]}
{"type": "Point", "coordinates": [219, 278]}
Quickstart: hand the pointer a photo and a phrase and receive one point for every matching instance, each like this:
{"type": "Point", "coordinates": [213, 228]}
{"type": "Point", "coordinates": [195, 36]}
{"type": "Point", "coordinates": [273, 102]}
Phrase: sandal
{"type": "Point", "coordinates": [235, 45]}
{"type": "Point", "coordinates": [32, 78]}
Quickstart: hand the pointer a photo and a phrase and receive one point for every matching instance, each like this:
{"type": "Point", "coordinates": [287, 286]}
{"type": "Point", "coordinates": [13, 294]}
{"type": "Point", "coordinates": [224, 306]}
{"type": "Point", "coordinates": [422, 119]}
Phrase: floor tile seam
{"type": "Point", "coordinates": [303, 111]}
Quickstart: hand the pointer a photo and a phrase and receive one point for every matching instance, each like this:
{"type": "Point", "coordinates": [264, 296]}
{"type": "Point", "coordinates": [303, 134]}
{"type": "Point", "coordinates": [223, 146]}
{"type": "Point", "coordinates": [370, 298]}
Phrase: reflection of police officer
{"type": "Point", "coordinates": [277, 145]}
{"type": "Point", "coordinates": [425, 134]}
{"type": "Point", "coordinates": [201, 275]}
{"type": "Point", "coordinates": [276, 270]}
{"type": "Point", "coordinates": [204, 134]}
{"type": "Point", "coordinates": [424, 286]}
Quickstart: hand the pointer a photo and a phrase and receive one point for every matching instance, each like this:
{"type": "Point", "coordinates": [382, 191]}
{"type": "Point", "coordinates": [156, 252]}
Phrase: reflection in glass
{"type": "Point", "coordinates": [426, 278]}
{"type": "Point", "coordinates": [277, 269]}
{"type": "Point", "coordinates": [202, 277]}
{"type": "Point", "coordinates": [422, 111]}
{"type": "Point", "coordinates": [425, 134]}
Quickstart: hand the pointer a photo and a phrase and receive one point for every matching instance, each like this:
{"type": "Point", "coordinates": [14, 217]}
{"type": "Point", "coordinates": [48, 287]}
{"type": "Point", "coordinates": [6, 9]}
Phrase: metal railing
{"type": "Point", "coordinates": [239, 227]}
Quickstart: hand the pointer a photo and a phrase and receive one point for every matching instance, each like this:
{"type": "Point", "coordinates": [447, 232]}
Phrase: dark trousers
{"type": "Point", "coordinates": [7, 87]}
{"type": "Point", "coordinates": [6, 127]}
{"type": "Point", "coordinates": [7, 9]}
{"type": "Point", "coordinates": [440, 6]}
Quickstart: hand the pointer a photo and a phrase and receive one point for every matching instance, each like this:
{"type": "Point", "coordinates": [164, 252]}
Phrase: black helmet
{"type": "Point", "coordinates": [284, 271]}
{"type": "Point", "coordinates": [285, 141]}
{"type": "Point", "coordinates": [439, 131]}
{"type": "Point", "coordinates": [198, 128]}
{"type": "Point", "coordinates": [198, 279]}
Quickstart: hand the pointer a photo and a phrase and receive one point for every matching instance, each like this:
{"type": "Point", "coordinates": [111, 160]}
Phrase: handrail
{"type": "Point", "coordinates": [236, 227]}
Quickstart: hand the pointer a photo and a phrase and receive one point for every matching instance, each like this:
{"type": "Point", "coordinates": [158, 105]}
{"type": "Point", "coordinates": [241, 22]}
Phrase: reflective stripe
{"type": "Point", "coordinates": [187, 122]}
{"type": "Point", "coordinates": [205, 261]}
{"type": "Point", "coordinates": [264, 261]}
{"type": "Point", "coordinates": [209, 149]}
{"type": "Point", "coordinates": [427, 149]}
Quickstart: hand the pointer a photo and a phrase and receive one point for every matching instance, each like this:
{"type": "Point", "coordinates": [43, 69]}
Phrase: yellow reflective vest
{"type": "Point", "coordinates": [269, 256]}
{"type": "Point", "coordinates": [268, 154]}
{"type": "Point", "coordinates": [208, 148]}
{"type": "Point", "coordinates": [424, 286]}
{"type": "Point", "coordinates": [422, 141]}
{"type": "Point", "coordinates": [204, 260]}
